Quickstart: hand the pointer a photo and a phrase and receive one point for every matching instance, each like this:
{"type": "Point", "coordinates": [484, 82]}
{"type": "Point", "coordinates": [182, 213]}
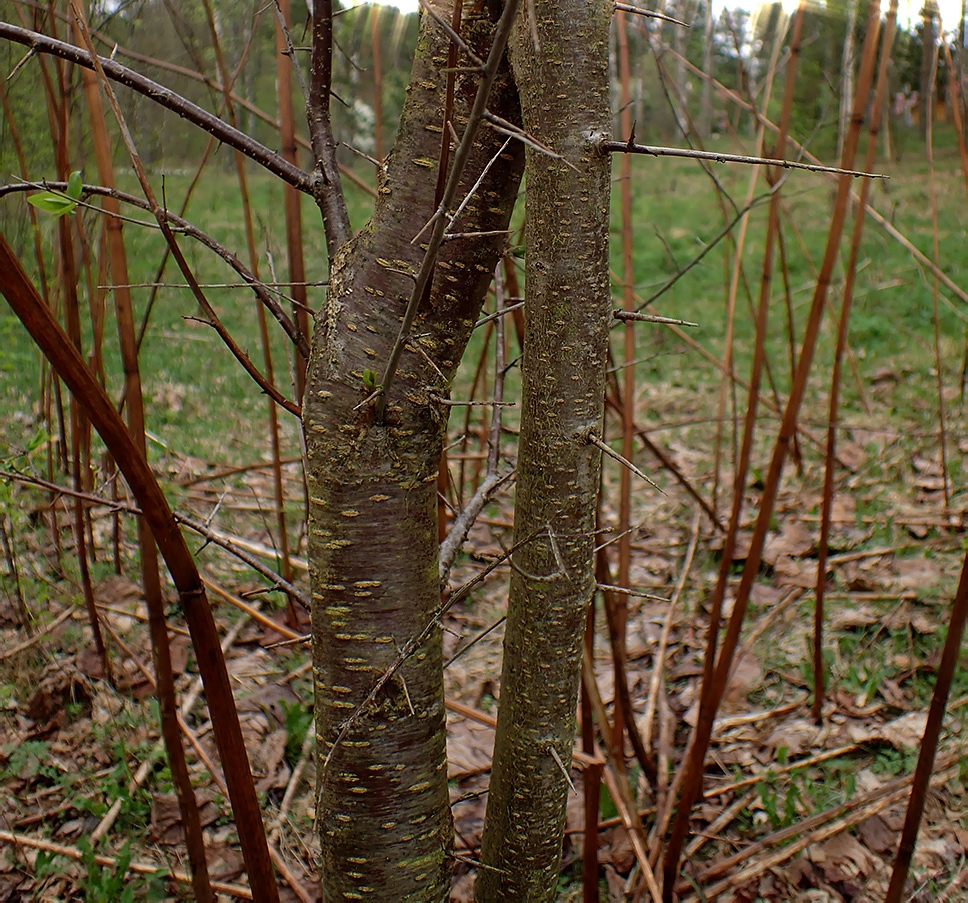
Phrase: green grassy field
{"type": "Point", "coordinates": [202, 404]}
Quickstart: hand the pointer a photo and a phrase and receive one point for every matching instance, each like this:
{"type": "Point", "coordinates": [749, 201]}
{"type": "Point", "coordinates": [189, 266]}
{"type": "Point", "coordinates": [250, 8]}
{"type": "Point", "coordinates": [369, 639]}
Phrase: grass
{"type": "Point", "coordinates": [892, 318]}
{"type": "Point", "coordinates": [199, 399]}
{"type": "Point", "coordinates": [186, 368]}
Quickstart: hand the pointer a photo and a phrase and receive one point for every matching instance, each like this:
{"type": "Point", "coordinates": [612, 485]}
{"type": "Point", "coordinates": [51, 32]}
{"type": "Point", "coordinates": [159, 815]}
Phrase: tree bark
{"type": "Point", "coordinates": [560, 60]}
{"type": "Point", "coordinates": [382, 802]}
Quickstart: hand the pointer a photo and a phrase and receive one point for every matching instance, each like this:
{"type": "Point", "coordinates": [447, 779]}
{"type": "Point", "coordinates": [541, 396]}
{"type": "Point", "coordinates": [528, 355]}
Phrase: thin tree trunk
{"type": "Point", "coordinates": [683, 11]}
{"type": "Point", "coordinates": [382, 801]}
{"type": "Point", "coordinates": [560, 58]}
{"type": "Point", "coordinates": [926, 95]}
{"type": "Point", "coordinates": [847, 76]}
{"type": "Point", "coordinates": [706, 104]}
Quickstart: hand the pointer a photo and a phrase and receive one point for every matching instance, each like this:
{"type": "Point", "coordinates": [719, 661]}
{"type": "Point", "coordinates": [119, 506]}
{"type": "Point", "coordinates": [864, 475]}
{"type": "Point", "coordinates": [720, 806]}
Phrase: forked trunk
{"type": "Point", "coordinates": [383, 811]}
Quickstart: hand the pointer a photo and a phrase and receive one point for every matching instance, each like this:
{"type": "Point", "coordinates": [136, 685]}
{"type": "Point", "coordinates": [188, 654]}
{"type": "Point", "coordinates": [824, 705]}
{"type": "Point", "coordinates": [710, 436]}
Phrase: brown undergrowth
{"type": "Point", "coordinates": [793, 810]}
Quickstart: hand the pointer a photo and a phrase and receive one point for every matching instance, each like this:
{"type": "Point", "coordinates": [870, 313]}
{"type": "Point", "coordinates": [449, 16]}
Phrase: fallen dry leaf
{"type": "Point", "coordinates": [905, 731]}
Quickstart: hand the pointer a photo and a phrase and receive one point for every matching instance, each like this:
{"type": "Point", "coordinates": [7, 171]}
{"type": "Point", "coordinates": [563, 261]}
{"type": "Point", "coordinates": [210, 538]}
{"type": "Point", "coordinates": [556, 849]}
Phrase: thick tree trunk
{"type": "Point", "coordinates": [382, 804]}
{"type": "Point", "coordinates": [560, 60]}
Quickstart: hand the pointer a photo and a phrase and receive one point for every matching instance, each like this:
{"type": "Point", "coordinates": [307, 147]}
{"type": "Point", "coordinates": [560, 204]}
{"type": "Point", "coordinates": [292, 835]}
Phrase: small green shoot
{"type": "Point", "coordinates": [56, 203]}
{"type": "Point", "coordinates": [102, 885]}
{"type": "Point", "coordinates": [298, 720]}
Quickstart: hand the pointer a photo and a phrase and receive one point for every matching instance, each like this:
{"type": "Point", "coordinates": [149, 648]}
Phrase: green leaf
{"type": "Point", "coordinates": [369, 380]}
{"type": "Point", "coordinates": [518, 251]}
{"type": "Point", "coordinates": [52, 203]}
{"type": "Point", "coordinates": [74, 185]}
{"type": "Point", "coordinates": [39, 438]}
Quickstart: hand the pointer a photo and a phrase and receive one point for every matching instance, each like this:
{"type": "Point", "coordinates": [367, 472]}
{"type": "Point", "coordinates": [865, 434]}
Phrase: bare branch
{"type": "Point", "coordinates": [627, 147]}
{"type": "Point", "coordinates": [453, 236]}
{"type": "Point", "coordinates": [650, 318]}
{"type": "Point", "coordinates": [327, 188]}
{"type": "Point", "coordinates": [291, 51]}
{"type": "Point", "coordinates": [510, 129]}
{"type": "Point", "coordinates": [465, 520]}
{"type": "Point", "coordinates": [625, 591]}
{"type": "Point", "coordinates": [649, 14]}
{"type": "Point", "coordinates": [452, 218]}
{"type": "Point", "coordinates": [213, 536]}
{"type": "Point", "coordinates": [161, 216]}
{"type": "Point", "coordinates": [498, 314]}
{"type": "Point", "coordinates": [625, 462]}
{"type": "Point", "coordinates": [202, 529]}
{"type": "Point", "coordinates": [482, 403]}
{"type": "Point", "coordinates": [270, 160]}
{"type": "Point", "coordinates": [561, 765]}
{"type": "Point", "coordinates": [707, 248]}
{"type": "Point", "coordinates": [473, 641]}
{"type": "Point", "coordinates": [492, 482]}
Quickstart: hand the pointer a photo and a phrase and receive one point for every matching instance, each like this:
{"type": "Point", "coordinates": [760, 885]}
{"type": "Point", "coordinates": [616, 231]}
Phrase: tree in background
{"type": "Point", "coordinates": [928, 65]}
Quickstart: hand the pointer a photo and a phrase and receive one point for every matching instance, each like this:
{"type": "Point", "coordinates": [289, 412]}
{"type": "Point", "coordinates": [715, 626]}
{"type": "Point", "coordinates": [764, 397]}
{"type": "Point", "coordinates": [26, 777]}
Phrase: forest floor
{"type": "Point", "coordinates": [793, 810]}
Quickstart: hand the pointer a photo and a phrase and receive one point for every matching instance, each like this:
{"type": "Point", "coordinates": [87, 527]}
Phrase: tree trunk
{"type": "Point", "coordinates": [560, 59]}
{"type": "Point", "coordinates": [383, 811]}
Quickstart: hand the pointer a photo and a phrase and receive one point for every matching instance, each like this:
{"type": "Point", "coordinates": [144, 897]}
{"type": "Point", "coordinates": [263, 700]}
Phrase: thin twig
{"type": "Point", "coordinates": [306, 755]}
{"type": "Point", "coordinates": [177, 224]}
{"type": "Point", "coordinates": [814, 829]}
{"type": "Point", "coordinates": [453, 236]}
{"type": "Point", "coordinates": [650, 318]}
{"type": "Point", "coordinates": [501, 125]}
{"type": "Point", "coordinates": [39, 636]}
{"type": "Point", "coordinates": [484, 402]}
{"type": "Point", "coordinates": [214, 536]}
{"type": "Point", "coordinates": [622, 460]}
{"type": "Point", "coordinates": [726, 230]}
{"type": "Point", "coordinates": [499, 313]}
{"type": "Point", "coordinates": [626, 591]}
{"type": "Point", "coordinates": [139, 868]}
{"type": "Point", "coordinates": [473, 641]}
{"type": "Point", "coordinates": [465, 520]}
{"type": "Point", "coordinates": [649, 14]}
{"type": "Point", "coordinates": [291, 51]}
{"type": "Point", "coordinates": [626, 147]}
{"type": "Point", "coordinates": [492, 482]}
{"type": "Point", "coordinates": [452, 218]}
